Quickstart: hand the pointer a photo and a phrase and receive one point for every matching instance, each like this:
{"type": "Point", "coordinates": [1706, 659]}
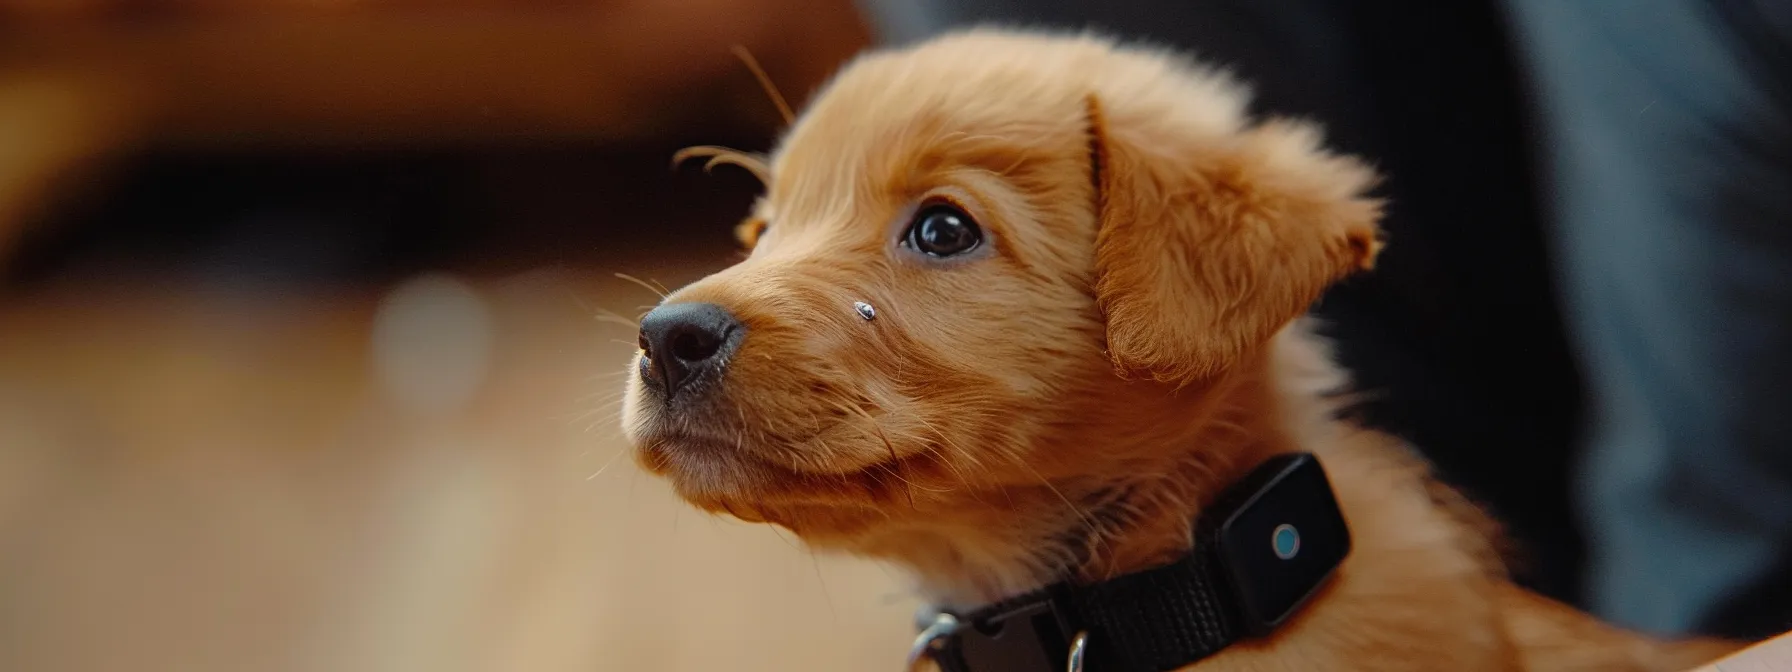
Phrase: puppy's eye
{"type": "Point", "coordinates": [942, 231]}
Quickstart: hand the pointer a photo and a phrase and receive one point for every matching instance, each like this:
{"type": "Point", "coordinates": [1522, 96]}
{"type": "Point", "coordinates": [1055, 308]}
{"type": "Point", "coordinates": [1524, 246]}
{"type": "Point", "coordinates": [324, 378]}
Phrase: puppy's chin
{"type": "Point", "coordinates": [702, 467]}
{"type": "Point", "coordinates": [712, 464]}
{"type": "Point", "coordinates": [721, 478]}
{"type": "Point", "coordinates": [705, 468]}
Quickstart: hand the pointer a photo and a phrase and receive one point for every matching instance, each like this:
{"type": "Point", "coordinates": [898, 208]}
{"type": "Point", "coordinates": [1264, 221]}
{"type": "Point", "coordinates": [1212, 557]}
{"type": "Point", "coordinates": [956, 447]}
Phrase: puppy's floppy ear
{"type": "Point", "coordinates": [1210, 243]}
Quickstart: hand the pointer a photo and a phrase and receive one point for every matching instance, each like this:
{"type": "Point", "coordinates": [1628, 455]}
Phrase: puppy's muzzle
{"type": "Point", "coordinates": [685, 345]}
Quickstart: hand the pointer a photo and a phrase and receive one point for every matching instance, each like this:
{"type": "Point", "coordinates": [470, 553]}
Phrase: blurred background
{"type": "Point", "coordinates": [309, 356]}
{"type": "Point", "coordinates": [300, 359]}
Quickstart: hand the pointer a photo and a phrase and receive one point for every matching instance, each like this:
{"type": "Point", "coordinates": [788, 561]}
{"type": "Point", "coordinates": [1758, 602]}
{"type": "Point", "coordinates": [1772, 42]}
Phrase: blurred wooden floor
{"type": "Point", "coordinates": [203, 471]}
{"type": "Point", "coordinates": [424, 478]}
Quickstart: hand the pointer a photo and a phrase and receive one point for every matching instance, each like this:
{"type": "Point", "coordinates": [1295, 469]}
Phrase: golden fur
{"type": "Point", "coordinates": [1127, 342]}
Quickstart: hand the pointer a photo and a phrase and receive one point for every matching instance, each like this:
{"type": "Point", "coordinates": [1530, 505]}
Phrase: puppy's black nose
{"type": "Point", "coordinates": [683, 341]}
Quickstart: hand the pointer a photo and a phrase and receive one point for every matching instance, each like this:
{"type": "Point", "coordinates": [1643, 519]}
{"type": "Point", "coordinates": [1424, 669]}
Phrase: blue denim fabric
{"type": "Point", "coordinates": [1669, 140]}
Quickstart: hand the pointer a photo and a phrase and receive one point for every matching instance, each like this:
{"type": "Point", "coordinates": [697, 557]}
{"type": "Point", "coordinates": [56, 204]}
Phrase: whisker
{"type": "Point", "coordinates": [765, 81]}
{"type": "Point", "coordinates": [779, 533]}
{"type": "Point", "coordinates": [575, 417]}
{"type": "Point", "coordinates": [657, 291]}
{"type": "Point", "coordinates": [895, 462]}
{"type": "Point", "coordinates": [952, 465]}
{"type": "Point", "coordinates": [1088, 523]}
{"type": "Point", "coordinates": [723, 156]}
{"type": "Point", "coordinates": [600, 470]}
{"type": "Point", "coordinates": [599, 423]}
{"type": "Point", "coordinates": [602, 394]}
{"type": "Point", "coordinates": [598, 397]}
{"type": "Point", "coordinates": [960, 452]}
{"type": "Point", "coordinates": [576, 299]}
{"type": "Point", "coordinates": [608, 317]}
{"type": "Point", "coordinates": [898, 469]}
{"type": "Point", "coordinates": [940, 457]}
{"type": "Point", "coordinates": [826, 594]}
{"type": "Point", "coordinates": [596, 416]}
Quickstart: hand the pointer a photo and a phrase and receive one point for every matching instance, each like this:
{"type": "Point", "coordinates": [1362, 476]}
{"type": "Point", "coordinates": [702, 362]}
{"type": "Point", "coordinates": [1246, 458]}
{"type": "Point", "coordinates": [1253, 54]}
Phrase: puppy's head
{"type": "Point", "coordinates": [1063, 240]}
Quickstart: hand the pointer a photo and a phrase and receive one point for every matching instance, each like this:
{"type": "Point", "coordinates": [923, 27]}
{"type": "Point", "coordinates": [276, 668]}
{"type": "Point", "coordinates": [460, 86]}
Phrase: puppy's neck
{"type": "Point", "coordinates": [1135, 507]}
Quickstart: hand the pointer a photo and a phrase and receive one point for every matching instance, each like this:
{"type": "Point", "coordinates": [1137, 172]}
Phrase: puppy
{"type": "Point", "coordinates": [1018, 307]}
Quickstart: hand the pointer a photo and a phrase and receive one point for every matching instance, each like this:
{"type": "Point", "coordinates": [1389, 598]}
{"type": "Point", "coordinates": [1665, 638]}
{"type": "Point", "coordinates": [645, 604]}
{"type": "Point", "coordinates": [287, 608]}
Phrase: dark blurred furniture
{"type": "Point", "coordinates": [341, 142]}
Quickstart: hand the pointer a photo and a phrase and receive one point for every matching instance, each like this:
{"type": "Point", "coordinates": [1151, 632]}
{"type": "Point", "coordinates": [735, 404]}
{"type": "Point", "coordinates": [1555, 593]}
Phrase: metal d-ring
{"type": "Point", "coordinates": [1078, 647]}
{"type": "Point", "coordinates": [945, 625]}
{"type": "Point", "coordinates": [926, 644]}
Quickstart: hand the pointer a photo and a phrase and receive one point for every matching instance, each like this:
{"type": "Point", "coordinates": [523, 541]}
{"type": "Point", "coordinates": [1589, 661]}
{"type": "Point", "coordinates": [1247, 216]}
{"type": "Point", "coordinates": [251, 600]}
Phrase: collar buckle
{"type": "Point", "coordinates": [933, 637]}
{"type": "Point", "coordinates": [1078, 647]}
{"type": "Point", "coordinates": [1029, 635]}
{"type": "Point", "coordinates": [939, 631]}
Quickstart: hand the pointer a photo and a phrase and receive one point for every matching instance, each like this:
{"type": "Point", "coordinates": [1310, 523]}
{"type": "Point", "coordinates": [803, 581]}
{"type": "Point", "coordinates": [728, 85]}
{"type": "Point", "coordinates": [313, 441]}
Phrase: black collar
{"type": "Point", "coordinates": [1261, 551]}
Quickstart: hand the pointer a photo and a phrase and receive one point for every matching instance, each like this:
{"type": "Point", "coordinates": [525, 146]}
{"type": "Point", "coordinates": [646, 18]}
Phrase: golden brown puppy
{"type": "Point", "coordinates": [1083, 271]}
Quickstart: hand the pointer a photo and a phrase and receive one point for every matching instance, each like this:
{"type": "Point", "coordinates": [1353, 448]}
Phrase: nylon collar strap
{"type": "Point", "coordinates": [1261, 551]}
